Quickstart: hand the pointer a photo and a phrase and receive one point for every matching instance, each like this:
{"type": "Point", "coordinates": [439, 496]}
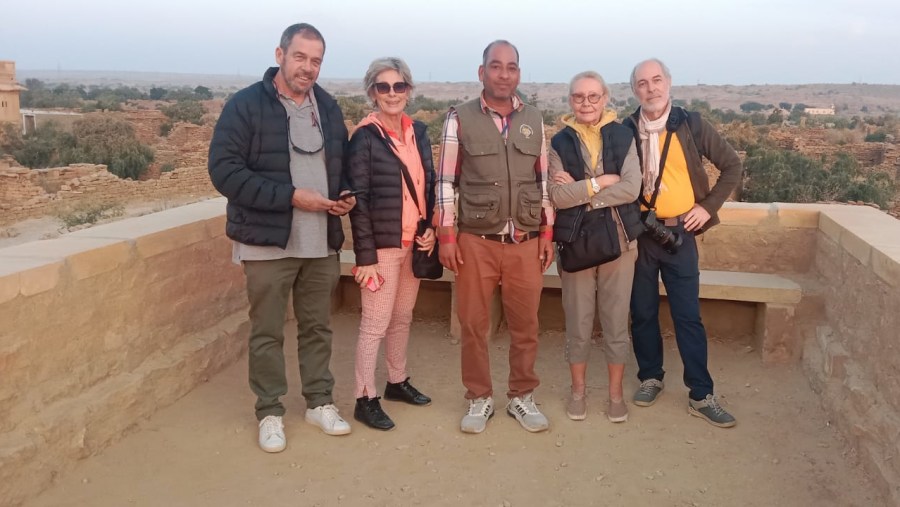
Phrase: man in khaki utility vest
{"type": "Point", "coordinates": [492, 187]}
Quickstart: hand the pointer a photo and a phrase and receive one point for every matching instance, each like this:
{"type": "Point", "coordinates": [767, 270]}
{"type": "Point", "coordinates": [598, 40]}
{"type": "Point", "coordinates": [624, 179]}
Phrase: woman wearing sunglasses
{"type": "Point", "coordinates": [594, 169]}
{"type": "Point", "coordinates": [384, 223]}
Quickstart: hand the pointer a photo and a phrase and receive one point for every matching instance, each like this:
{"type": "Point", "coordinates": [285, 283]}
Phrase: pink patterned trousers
{"type": "Point", "coordinates": [386, 316]}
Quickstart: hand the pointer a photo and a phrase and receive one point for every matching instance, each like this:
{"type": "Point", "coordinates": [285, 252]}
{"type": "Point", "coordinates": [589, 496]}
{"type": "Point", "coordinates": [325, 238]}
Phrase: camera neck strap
{"type": "Point", "coordinates": [651, 204]}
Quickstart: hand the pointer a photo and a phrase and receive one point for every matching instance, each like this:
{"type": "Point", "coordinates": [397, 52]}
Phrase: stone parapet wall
{"type": "Point", "coordinates": [103, 327]}
{"type": "Point", "coordinates": [29, 193]}
{"type": "Point", "coordinates": [761, 238]}
{"type": "Point", "coordinates": [854, 358]}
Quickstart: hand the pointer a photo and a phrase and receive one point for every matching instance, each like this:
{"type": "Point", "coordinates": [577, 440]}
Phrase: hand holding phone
{"type": "Point", "coordinates": [352, 193]}
{"type": "Point", "coordinates": [367, 280]}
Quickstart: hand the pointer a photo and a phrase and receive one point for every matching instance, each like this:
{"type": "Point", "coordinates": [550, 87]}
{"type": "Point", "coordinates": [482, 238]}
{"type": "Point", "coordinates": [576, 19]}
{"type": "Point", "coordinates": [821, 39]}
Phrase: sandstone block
{"type": "Point", "coordinates": [797, 218]}
{"type": "Point", "coordinates": [830, 227]}
{"type": "Point", "coordinates": [99, 260]}
{"type": "Point", "coordinates": [750, 214]}
{"type": "Point", "coordinates": [886, 264]}
{"type": "Point", "coordinates": [778, 338]}
{"type": "Point", "coordinates": [43, 277]}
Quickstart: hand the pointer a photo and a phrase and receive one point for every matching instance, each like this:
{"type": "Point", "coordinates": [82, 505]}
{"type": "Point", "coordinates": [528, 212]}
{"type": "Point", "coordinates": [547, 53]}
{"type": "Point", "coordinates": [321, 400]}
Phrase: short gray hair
{"type": "Point", "coordinates": [498, 42]}
{"type": "Point", "coordinates": [380, 65]}
{"type": "Point", "coordinates": [589, 74]}
{"type": "Point", "coordinates": [665, 70]}
{"type": "Point", "coordinates": [304, 30]}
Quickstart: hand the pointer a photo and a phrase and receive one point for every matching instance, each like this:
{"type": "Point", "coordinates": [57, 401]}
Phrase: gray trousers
{"type": "Point", "coordinates": [605, 289]}
{"type": "Point", "coordinates": [269, 284]}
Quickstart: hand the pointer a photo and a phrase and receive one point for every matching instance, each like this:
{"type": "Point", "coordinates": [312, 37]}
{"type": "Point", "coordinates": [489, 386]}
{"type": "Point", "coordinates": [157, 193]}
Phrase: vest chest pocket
{"type": "Point", "coordinates": [480, 149]}
{"type": "Point", "coordinates": [531, 147]}
{"type": "Point", "coordinates": [480, 204]}
{"type": "Point", "coordinates": [529, 208]}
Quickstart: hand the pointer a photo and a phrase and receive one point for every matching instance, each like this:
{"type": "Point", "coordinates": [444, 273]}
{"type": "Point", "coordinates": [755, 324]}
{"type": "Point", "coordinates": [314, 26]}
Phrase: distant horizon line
{"type": "Point", "coordinates": [326, 78]}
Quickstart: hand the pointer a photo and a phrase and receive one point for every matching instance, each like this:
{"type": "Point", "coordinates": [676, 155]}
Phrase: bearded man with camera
{"type": "Point", "coordinates": [677, 204]}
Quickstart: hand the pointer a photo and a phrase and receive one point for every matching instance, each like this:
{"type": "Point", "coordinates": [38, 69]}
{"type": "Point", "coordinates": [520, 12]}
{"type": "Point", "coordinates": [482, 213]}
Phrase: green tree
{"type": "Point", "coordinates": [189, 111]}
{"type": "Point", "coordinates": [751, 107]}
{"type": "Point", "coordinates": [776, 118]}
{"type": "Point", "coordinates": [436, 129]}
{"type": "Point", "coordinates": [10, 139]}
{"type": "Point", "coordinates": [781, 176]}
{"type": "Point", "coordinates": [879, 136]}
{"type": "Point", "coordinates": [47, 146]}
{"type": "Point", "coordinates": [109, 101]}
{"type": "Point", "coordinates": [355, 107]}
{"type": "Point", "coordinates": [105, 140]}
{"type": "Point", "coordinates": [785, 105]}
{"type": "Point", "coordinates": [773, 175]}
{"type": "Point", "coordinates": [157, 93]}
{"type": "Point", "coordinates": [203, 93]}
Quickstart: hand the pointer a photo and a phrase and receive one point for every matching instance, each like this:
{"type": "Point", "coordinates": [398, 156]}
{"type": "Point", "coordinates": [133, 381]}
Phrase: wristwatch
{"type": "Point", "coordinates": [595, 185]}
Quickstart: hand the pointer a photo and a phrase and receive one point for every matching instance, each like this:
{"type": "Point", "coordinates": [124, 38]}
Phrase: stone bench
{"type": "Point", "coordinates": [776, 300]}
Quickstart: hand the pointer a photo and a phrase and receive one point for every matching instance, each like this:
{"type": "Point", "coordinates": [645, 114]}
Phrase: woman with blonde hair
{"type": "Point", "coordinates": [390, 165]}
{"type": "Point", "coordinates": [595, 178]}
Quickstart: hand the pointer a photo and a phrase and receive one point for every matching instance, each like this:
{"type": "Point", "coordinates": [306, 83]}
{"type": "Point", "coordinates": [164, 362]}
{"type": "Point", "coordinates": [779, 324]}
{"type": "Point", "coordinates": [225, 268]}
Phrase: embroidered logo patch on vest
{"type": "Point", "coordinates": [526, 131]}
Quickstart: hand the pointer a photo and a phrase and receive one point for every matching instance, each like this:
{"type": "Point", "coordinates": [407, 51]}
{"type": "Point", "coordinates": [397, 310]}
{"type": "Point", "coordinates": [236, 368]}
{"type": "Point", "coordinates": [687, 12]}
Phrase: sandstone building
{"type": "Point", "coordinates": [9, 93]}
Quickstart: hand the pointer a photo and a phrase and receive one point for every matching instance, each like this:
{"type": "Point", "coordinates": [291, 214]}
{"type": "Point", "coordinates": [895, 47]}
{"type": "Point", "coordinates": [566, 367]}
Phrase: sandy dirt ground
{"type": "Point", "coordinates": [202, 450]}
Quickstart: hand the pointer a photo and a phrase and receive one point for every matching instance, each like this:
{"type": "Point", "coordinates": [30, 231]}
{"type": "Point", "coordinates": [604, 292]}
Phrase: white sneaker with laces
{"type": "Point", "coordinates": [527, 413]}
{"type": "Point", "coordinates": [475, 420]}
{"type": "Point", "coordinates": [327, 418]}
{"type": "Point", "coordinates": [271, 434]}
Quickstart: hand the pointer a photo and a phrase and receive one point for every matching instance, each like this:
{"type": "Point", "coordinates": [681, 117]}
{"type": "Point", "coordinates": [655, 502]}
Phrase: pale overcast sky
{"type": "Point", "coordinates": [711, 42]}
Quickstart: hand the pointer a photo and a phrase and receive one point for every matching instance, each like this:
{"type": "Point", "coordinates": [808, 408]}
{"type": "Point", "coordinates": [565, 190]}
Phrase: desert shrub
{"type": "Point", "coordinates": [879, 136]}
{"type": "Point", "coordinates": [109, 141]}
{"type": "Point", "coordinates": [189, 111]}
{"type": "Point", "coordinates": [88, 212]}
{"type": "Point", "coordinates": [773, 175]}
{"type": "Point", "coordinates": [355, 107]}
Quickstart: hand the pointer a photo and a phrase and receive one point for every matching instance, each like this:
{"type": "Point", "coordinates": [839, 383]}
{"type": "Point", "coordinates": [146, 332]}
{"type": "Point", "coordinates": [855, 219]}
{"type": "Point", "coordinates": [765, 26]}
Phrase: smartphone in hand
{"type": "Point", "coordinates": [352, 193]}
{"type": "Point", "coordinates": [370, 283]}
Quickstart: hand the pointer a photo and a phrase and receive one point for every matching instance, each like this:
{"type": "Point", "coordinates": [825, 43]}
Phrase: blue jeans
{"type": "Point", "coordinates": [681, 277]}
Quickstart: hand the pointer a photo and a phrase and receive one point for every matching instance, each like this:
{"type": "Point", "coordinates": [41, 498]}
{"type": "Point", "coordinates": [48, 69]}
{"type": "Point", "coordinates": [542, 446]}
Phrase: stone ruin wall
{"type": "Point", "coordinates": [27, 193]}
{"type": "Point", "coordinates": [31, 193]}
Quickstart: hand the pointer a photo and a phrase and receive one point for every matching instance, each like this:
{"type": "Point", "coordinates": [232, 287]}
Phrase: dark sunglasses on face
{"type": "Point", "coordinates": [385, 88]}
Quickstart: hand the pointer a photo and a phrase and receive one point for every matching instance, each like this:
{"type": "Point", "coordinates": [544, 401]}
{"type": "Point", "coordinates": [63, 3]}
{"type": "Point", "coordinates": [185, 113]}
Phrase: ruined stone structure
{"type": "Point", "coordinates": [29, 193]}
{"type": "Point", "coordinates": [9, 93]}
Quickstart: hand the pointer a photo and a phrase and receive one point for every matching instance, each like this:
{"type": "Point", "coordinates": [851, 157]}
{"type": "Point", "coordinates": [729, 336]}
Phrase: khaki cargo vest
{"type": "Point", "coordinates": [497, 179]}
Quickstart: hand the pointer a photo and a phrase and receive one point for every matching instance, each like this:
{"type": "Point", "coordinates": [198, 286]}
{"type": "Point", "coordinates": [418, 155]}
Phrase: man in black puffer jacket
{"type": "Point", "coordinates": [277, 154]}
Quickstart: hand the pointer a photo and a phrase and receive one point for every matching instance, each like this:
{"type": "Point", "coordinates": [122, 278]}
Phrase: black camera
{"type": "Point", "coordinates": [670, 241]}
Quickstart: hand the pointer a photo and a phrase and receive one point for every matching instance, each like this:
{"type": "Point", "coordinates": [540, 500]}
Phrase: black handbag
{"type": "Point", "coordinates": [423, 265]}
{"type": "Point", "coordinates": [593, 241]}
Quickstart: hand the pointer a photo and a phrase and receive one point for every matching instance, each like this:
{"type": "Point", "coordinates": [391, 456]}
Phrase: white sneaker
{"type": "Point", "coordinates": [480, 410]}
{"type": "Point", "coordinates": [527, 413]}
{"type": "Point", "coordinates": [327, 418]}
{"type": "Point", "coordinates": [271, 434]}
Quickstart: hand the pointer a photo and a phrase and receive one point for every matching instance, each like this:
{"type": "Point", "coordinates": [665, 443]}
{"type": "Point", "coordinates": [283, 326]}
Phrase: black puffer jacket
{"type": "Point", "coordinates": [249, 163]}
{"type": "Point", "coordinates": [376, 220]}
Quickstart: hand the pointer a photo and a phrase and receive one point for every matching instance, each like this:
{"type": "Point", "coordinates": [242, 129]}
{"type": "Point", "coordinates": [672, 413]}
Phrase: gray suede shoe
{"type": "Point", "coordinates": [709, 409]}
{"type": "Point", "coordinates": [576, 408]}
{"type": "Point", "coordinates": [648, 392]}
{"type": "Point", "coordinates": [617, 411]}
